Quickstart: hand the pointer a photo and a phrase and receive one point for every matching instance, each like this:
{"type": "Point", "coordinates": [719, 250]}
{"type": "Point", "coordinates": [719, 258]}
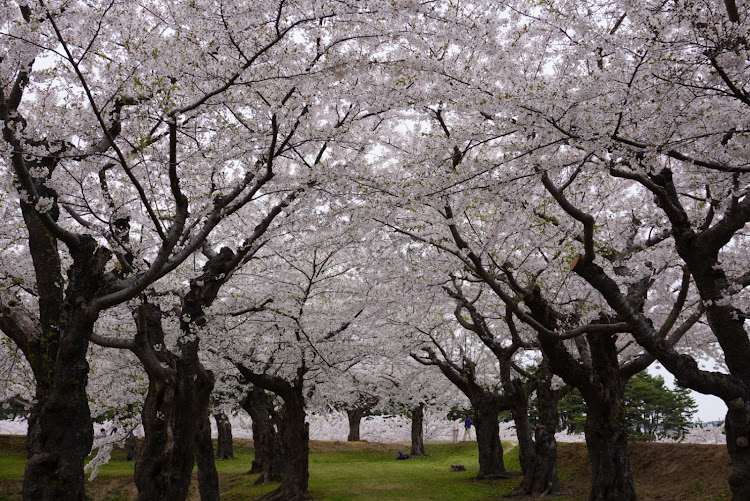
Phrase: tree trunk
{"type": "Point", "coordinates": [266, 440]}
{"type": "Point", "coordinates": [355, 418]}
{"type": "Point", "coordinates": [208, 477]}
{"type": "Point", "coordinates": [130, 447]}
{"type": "Point", "coordinates": [224, 448]}
{"type": "Point", "coordinates": [488, 438]}
{"type": "Point", "coordinates": [605, 429]}
{"type": "Point", "coordinates": [165, 460]}
{"type": "Point", "coordinates": [541, 477]}
{"type": "Point", "coordinates": [519, 409]}
{"type": "Point", "coordinates": [738, 433]}
{"type": "Point", "coordinates": [295, 450]}
{"type": "Point", "coordinates": [606, 440]}
{"type": "Point", "coordinates": [175, 418]}
{"type": "Point", "coordinates": [417, 430]}
{"type": "Point", "coordinates": [60, 432]}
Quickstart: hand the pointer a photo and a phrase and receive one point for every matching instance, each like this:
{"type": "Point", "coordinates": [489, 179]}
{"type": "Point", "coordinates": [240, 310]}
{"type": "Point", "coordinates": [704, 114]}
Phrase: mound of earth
{"type": "Point", "coordinates": [663, 472]}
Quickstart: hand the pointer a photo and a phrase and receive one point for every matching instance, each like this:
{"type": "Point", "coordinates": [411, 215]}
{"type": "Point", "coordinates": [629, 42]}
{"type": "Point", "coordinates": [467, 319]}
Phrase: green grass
{"type": "Point", "coordinates": [369, 471]}
{"type": "Point", "coordinates": [370, 475]}
{"type": "Point", "coordinates": [12, 457]}
{"type": "Point", "coordinates": [340, 472]}
{"type": "Point", "coordinates": [375, 475]}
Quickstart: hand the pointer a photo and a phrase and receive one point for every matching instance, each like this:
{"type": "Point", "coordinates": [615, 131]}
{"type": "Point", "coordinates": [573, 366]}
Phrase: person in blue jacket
{"type": "Point", "coordinates": [467, 428]}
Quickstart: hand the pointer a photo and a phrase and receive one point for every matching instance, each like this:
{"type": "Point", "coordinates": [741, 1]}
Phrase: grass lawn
{"type": "Point", "coordinates": [370, 472]}
{"type": "Point", "coordinates": [363, 471]}
{"type": "Point", "coordinates": [338, 471]}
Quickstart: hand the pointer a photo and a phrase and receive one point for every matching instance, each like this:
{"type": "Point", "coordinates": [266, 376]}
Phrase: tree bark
{"type": "Point", "coordinates": [60, 432]}
{"type": "Point", "coordinates": [208, 477]}
{"type": "Point", "coordinates": [488, 438]}
{"type": "Point", "coordinates": [224, 447]}
{"type": "Point", "coordinates": [175, 418]}
{"type": "Point", "coordinates": [266, 440]}
{"type": "Point", "coordinates": [519, 409]}
{"type": "Point", "coordinates": [354, 417]}
{"type": "Point", "coordinates": [165, 460]}
{"type": "Point", "coordinates": [737, 426]}
{"type": "Point", "coordinates": [295, 450]}
{"type": "Point", "coordinates": [540, 479]}
{"type": "Point", "coordinates": [130, 447]}
{"type": "Point", "coordinates": [417, 430]}
{"type": "Point", "coordinates": [295, 447]}
{"type": "Point", "coordinates": [605, 429]}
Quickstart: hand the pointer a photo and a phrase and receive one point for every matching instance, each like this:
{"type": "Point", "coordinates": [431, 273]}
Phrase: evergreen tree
{"type": "Point", "coordinates": [652, 409]}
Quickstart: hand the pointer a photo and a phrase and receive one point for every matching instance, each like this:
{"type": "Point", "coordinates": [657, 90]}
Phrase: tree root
{"type": "Point", "coordinates": [279, 495]}
{"type": "Point", "coordinates": [505, 475]}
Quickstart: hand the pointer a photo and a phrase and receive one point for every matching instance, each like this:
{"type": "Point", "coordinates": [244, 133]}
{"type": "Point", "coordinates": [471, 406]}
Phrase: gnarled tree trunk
{"type": "Point", "coordinates": [175, 418]}
{"type": "Point", "coordinates": [266, 440]}
{"type": "Point", "coordinates": [295, 450]}
{"type": "Point", "coordinates": [519, 410]}
{"type": "Point", "coordinates": [488, 437]}
{"type": "Point", "coordinates": [224, 446]}
{"type": "Point", "coordinates": [295, 447]}
{"type": "Point", "coordinates": [738, 433]}
{"type": "Point", "coordinates": [540, 479]}
{"type": "Point", "coordinates": [208, 477]}
{"type": "Point", "coordinates": [605, 429]}
{"type": "Point", "coordinates": [357, 412]}
{"type": "Point", "coordinates": [417, 430]}
{"type": "Point", "coordinates": [60, 432]}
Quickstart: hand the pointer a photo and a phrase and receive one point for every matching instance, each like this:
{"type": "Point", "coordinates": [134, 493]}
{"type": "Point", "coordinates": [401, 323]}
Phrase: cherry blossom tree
{"type": "Point", "coordinates": [307, 295]}
{"type": "Point", "coordinates": [129, 143]}
{"type": "Point", "coordinates": [632, 130]}
{"type": "Point", "coordinates": [520, 118]}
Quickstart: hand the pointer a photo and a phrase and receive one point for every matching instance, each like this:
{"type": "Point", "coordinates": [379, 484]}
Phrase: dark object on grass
{"type": "Point", "coordinates": [401, 455]}
{"type": "Point", "coordinates": [458, 467]}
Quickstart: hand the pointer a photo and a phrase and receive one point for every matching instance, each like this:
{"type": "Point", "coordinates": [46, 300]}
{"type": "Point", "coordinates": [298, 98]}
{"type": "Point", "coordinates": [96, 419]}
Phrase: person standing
{"type": "Point", "coordinates": [455, 431]}
{"type": "Point", "coordinates": [467, 428]}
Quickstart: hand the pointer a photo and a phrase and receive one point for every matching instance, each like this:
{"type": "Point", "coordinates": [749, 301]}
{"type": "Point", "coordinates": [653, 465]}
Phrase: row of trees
{"type": "Point", "coordinates": [289, 204]}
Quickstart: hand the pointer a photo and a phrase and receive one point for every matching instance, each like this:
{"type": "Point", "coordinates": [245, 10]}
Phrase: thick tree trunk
{"type": "Point", "coordinates": [541, 477]}
{"type": "Point", "coordinates": [355, 419]}
{"type": "Point", "coordinates": [208, 477]}
{"type": "Point", "coordinates": [224, 447]}
{"type": "Point", "coordinates": [519, 409]}
{"type": "Point", "coordinates": [266, 440]}
{"type": "Point", "coordinates": [488, 438]}
{"type": "Point", "coordinates": [605, 430]}
{"type": "Point", "coordinates": [417, 430]}
{"type": "Point", "coordinates": [295, 450]}
{"type": "Point", "coordinates": [738, 434]}
{"type": "Point", "coordinates": [60, 432]}
{"type": "Point", "coordinates": [607, 443]}
{"type": "Point", "coordinates": [175, 419]}
{"type": "Point", "coordinates": [165, 460]}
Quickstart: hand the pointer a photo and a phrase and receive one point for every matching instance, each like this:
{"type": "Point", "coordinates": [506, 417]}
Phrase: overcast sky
{"type": "Point", "coordinates": [710, 408]}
